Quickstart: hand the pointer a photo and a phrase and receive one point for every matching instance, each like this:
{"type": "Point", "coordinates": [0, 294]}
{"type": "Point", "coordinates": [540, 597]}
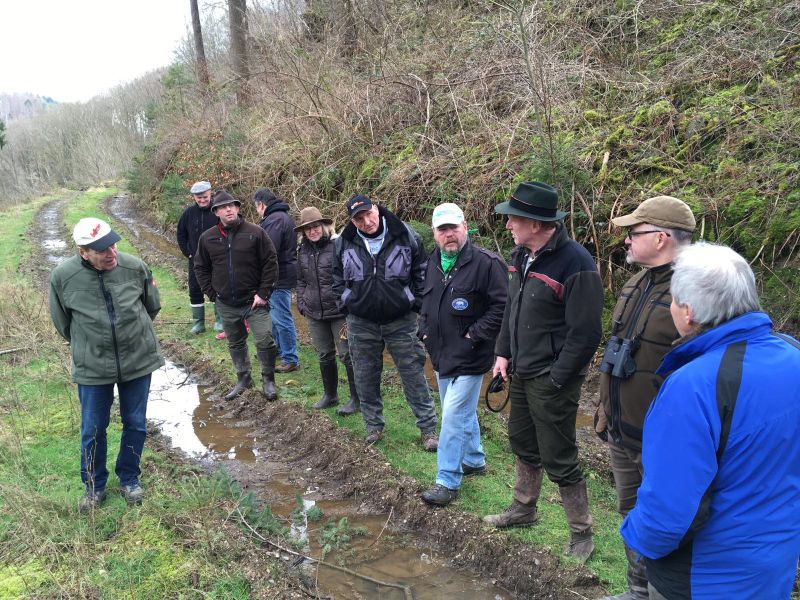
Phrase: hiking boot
{"type": "Point", "coordinates": [133, 493]}
{"type": "Point", "coordinates": [439, 495]}
{"type": "Point", "coordinates": [516, 515]}
{"type": "Point", "coordinates": [430, 442]}
{"type": "Point", "coordinates": [467, 470]}
{"type": "Point", "coordinates": [330, 385]}
{"type": "Point", "coordinates": [287, 367]}
{"type": "Point", "coordinates": [198, 320]}
{"type": "Point", "coordinates": [373, 437]}
{"type": "Point", "coordinates": [575, 500]}
{"type": "Point", "coordinates": [91, 500]}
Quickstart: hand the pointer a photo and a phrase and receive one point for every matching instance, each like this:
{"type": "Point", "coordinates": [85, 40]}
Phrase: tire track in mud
{"type": "Point", "coordinates": [307, 451]}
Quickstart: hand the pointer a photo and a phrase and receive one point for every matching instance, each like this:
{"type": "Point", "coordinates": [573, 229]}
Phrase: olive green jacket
{"type": "Point", "coordinates": [107, 318]}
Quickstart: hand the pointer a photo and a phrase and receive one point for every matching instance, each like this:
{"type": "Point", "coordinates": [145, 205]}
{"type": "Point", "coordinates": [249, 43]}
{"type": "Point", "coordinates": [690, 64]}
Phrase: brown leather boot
{"type": "Point", "coordinates": [522, 512]}
{"type": "Point", "coordinates": [575, 500]}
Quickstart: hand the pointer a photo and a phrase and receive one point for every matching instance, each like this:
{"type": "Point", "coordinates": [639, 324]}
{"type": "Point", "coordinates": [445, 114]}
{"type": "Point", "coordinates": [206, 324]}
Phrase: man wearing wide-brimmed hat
{"type": "Point", "coordinates": [102, 302]}
{"type": "Point", "coordinates": [550, 331]}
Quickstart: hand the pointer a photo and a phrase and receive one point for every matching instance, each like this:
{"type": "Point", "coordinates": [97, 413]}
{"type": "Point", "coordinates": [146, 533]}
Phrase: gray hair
{"type": "Point", "coordinates": [681, 236]}
{"type": "Point", "coordinates": [715, 281]}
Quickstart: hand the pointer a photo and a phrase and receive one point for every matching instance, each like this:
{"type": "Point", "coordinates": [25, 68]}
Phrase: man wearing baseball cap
{"type": "Point", "coordinates": [194, 220]}
{"type": "Point", "coordinates": [236, 267]}
{"type": "Point", "coordinates": [642, 332]}
{"type": "Point", "coordinates": [550, 332]}
{"type": "Point", "coordinates": [378, 275]}
{"type": "Point", "coordinates": [466, 288]}
{"type": "Point", "coordinates": [102, 302]}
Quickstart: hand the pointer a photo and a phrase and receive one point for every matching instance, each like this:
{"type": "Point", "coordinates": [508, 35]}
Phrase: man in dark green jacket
{"type": "Point", "coordinates": [551, 329]}
{"type": "Point", "coordinates": [103, 303]}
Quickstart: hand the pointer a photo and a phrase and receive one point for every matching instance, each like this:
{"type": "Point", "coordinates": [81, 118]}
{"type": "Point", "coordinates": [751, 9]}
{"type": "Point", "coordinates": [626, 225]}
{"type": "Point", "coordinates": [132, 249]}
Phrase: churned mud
{"type": "Point", "coordinates": [285, 454]}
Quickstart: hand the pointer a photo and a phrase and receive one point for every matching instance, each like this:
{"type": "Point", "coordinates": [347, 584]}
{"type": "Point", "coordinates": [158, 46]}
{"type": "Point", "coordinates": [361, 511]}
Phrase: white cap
{"type": "Point", "coordinates": [447, 214]}
{"type": "Point", "coordinates": [200, 187]}
{"type": "Point", "coordinates": [95, 234]}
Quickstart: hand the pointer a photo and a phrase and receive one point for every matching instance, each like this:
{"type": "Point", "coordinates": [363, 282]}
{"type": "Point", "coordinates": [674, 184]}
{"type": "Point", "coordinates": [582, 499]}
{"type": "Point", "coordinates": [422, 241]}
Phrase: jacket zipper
{"type": "Point", "coordinates": [112, 317]}
{"type": "Point", "coordinates": [231, 274]}
{"type": "Point", "coordinates": [315, 256]}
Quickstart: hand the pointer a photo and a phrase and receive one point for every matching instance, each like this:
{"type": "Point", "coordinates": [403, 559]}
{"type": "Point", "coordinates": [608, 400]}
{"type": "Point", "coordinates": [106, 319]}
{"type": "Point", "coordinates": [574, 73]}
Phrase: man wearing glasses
{"type": "Point", "coordinates": [642, 333]}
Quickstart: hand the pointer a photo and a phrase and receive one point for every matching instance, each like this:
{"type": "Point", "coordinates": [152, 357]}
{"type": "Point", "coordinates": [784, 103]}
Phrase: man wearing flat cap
{"type": "Point", "coordinates": [642, 332]}
{"type": "Point", "coordinates": [103, 302]}
{"type": "Point", "coordinates": [236, 267]}
{"type": "Point", "coordinates": [194, 220]}
{"type": "Point", "coordinates": [551, 329]}
{"type": "Point", "coordinates": [378, 274]}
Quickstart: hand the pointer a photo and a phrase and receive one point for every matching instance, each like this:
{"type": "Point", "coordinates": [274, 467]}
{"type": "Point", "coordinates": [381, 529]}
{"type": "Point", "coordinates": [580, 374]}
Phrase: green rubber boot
{"type": "Point", "coordinates": [198, 320]}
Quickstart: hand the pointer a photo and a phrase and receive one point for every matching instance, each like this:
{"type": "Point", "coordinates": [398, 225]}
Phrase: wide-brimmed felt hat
{"type": "Point", "coordinates": [309, 215]}
{"type": "Point", "coordinates": [222, 198]}
{"type": "Point", "coordinates": [661, 211]}
{"type": "Point", "coordinates": [533, 200]}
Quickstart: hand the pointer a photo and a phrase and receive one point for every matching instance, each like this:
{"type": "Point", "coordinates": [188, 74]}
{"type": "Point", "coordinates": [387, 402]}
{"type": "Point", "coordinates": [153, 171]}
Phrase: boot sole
{"type": "Point", "coordinates": [514, 525]}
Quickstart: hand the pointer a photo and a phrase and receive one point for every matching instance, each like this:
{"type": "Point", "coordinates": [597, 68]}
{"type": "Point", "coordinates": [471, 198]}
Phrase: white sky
{"type": "Point", "coordinates": [72, 50]}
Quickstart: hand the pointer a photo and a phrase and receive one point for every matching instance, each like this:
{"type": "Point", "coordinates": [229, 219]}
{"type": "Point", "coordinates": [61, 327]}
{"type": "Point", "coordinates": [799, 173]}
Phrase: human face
{"type": "Point", "coordinates": [367, 221]}
{"type": "Point", "coordinates": [313, 231]}
{"type": "Point", "coordinates": [102, 260]}
{"type": "Point", "coordinates": [522, 230]}
{"type": "Point", "coordinates": [643, 243]}
{"type": "Point", "coordinates": [227, 213]}
{"type": "Point", "coordinates": [450, 238]}
{"type": "Point", "coordinates": [203, 199]}
{"type": "Point", "coordinates": [682, 317]}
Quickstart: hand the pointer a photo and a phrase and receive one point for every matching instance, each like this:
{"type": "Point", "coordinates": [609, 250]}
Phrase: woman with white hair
{"type": "Point", "coordinates": [316, 301]}
{"type": "Point", "coordinates": [718, 511]}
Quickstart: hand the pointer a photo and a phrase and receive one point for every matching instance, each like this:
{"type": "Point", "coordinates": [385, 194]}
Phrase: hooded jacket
{"type": "Point", "coordinates": [743, 541]}
{"type": "Point", "coordinates": [384, 287]}
{"type": "Point", "coordinates": [280, 228]}
{"type": "Point", "coordinates": [107, 318]}
{"type": "Point", "coordinates": [552, 321]}
{"type": "Point", "coordinates": [235, 263]}
{"type": "Point", "coordinates": [470, 299]}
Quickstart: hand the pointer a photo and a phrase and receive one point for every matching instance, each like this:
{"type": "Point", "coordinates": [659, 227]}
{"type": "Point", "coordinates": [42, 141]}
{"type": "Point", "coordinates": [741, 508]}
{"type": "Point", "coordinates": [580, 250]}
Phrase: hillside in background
{"type": "Point", "coordinates": [420, 103]}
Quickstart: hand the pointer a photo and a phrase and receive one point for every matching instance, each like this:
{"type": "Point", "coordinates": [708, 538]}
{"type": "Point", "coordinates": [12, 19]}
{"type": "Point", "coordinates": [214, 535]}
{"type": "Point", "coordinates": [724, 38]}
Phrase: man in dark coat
{"type": "Point", "coordinates": [466, 288]}
{"type": "Point", "coordinates": [194, 220]}
{"type": "Point", "coordinates": [378, 274]}
{"type": "Point", "coordinates": [551, 330]}
{"type": "Point", "coordinates": [279, 225]}
{"type": "Point", "coordinates": [236, 268]}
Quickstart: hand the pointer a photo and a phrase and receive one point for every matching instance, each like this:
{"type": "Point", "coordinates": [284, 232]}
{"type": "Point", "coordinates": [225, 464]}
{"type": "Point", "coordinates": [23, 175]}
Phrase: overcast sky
{"type": "Point", "coordinates": [72, 50]}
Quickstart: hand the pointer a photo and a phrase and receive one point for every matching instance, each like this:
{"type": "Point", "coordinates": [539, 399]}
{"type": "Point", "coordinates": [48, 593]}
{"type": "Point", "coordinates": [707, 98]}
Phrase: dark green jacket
{"type": "Point", "coordinates": [107, 318]}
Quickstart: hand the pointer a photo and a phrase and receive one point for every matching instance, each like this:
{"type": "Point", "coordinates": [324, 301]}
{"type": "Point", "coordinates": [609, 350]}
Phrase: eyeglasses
{"type": "Point", "coordinates": [632, 234]}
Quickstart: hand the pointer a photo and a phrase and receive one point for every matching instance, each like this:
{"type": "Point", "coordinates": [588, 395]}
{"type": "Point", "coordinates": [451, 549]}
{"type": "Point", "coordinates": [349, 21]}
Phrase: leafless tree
{"type": "Point", "coordinates": [200, 52]}
{"type": "Point", "coordinates": [237, 16]}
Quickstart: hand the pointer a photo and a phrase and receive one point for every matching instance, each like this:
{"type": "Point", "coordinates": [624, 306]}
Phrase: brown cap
{"type": "Point", "coordinates": [662, 211]}
{"type": "Point", "coordinates": [309, 215]}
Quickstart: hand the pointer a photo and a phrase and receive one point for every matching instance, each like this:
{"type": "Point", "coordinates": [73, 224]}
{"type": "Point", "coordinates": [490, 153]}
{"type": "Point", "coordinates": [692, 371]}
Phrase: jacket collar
{"type": "Point", "coordinates": [394, 226]}
{"type": "Point", "coordinates": [520, 254]}
{"type": "Point", "coordinates": [463, 257]}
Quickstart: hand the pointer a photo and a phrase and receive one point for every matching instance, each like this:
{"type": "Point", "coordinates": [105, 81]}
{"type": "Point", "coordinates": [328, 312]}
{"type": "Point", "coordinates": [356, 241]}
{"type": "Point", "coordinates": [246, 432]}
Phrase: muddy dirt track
{"type": "Point", "coordinates": [339, 467]}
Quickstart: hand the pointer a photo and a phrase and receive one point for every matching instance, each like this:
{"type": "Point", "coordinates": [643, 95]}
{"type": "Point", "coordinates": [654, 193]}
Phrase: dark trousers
{"type": "Point", "coordinates": [541, 426]}
{"type": "Point", "coordinates": [327, 341]}
{"type": "Point", "coordinates": [195, 293]}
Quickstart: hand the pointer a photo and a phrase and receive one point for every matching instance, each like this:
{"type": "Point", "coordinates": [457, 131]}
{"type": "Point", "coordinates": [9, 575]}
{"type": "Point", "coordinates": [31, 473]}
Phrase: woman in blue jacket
{"type": "Point", "coordinates": [718, 512]}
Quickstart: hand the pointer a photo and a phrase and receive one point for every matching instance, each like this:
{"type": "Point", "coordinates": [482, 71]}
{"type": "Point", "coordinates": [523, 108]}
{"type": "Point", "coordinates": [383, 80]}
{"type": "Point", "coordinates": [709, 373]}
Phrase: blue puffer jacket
{"type": "Point", "coordinates": [746, 545]}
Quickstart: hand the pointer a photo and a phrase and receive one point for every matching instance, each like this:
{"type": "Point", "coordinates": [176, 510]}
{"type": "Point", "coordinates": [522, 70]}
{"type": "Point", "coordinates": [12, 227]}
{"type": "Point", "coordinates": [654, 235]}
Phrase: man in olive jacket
{"type": "Point", "coordinates": [103, 303]}
{"type": "Point", "coordinates": [236, 267]}
{"type": "Point", "coordinates": [550, 332]}
{"type": "Point", "coordinates": [642, 333]}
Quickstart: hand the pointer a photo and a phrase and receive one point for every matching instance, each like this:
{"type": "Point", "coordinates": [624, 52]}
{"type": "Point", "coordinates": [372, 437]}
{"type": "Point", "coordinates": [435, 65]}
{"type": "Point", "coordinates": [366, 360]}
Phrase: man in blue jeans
{"type": "Point", "coordinates": [279, 225]}
{"type": "Point", "coordinates": [103, 302]}
{"type": "Point", "coordinates": [466, 288]}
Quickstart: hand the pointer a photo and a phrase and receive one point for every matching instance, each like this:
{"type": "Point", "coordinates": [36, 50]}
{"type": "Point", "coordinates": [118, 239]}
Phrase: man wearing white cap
{"type": "Point", "coordinates": [194, 220]}
{"type": "Point", "coordinates": [466, 289]}
{"type": "Point", "coordinates": [103, 302]}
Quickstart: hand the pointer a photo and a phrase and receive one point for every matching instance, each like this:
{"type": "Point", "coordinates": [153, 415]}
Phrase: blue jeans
{"type": "Point", "coordinates": [460, 438]}
{"type": "Point", "coordinates": [96, 401]}
{"type": "Point", "coordinates": [280, 309]}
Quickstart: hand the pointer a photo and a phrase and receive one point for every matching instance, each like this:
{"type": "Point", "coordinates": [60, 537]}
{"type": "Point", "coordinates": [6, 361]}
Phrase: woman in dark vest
{"type": "Point", "coordinates": [316, 301]}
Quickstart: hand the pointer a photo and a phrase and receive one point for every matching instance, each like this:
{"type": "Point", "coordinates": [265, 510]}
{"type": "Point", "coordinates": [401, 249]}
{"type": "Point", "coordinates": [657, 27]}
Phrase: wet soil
{"type": "Point", "coordinates": [289, 451]}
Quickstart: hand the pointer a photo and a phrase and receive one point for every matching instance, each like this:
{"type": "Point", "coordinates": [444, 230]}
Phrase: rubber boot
{"type": "Point", "coordinates": [242, 365]}
{"type": "Point", "coordinates": [267, 360]}
{"type": "Point", "coordinates": [217, 320]}
{"type": "Point", "coordinates": [637, 579]}
{"type": "Point", "coordinates": [354, 406]}
{"type": "Point", "coordinates": [198, 320]}
{"type": "Point", "coordinates": [330, 385]}
{"type": "Point", "coordinates": [575, 500]}
{"type": "Point", "coordinates": [522, 512]}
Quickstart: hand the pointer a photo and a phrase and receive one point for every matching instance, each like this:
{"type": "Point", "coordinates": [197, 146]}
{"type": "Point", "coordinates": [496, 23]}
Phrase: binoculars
{"type": "Point", "coordinates": [617, 360]}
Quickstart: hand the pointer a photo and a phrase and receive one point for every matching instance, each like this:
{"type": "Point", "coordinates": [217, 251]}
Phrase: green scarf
{"type": "Point", "coordinates": [448, 261]}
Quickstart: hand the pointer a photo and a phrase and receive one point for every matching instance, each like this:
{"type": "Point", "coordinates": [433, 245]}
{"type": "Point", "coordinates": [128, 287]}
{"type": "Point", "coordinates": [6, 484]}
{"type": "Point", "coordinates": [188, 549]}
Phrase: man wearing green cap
{"type": "Point", "coordinates": [551, 329]}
